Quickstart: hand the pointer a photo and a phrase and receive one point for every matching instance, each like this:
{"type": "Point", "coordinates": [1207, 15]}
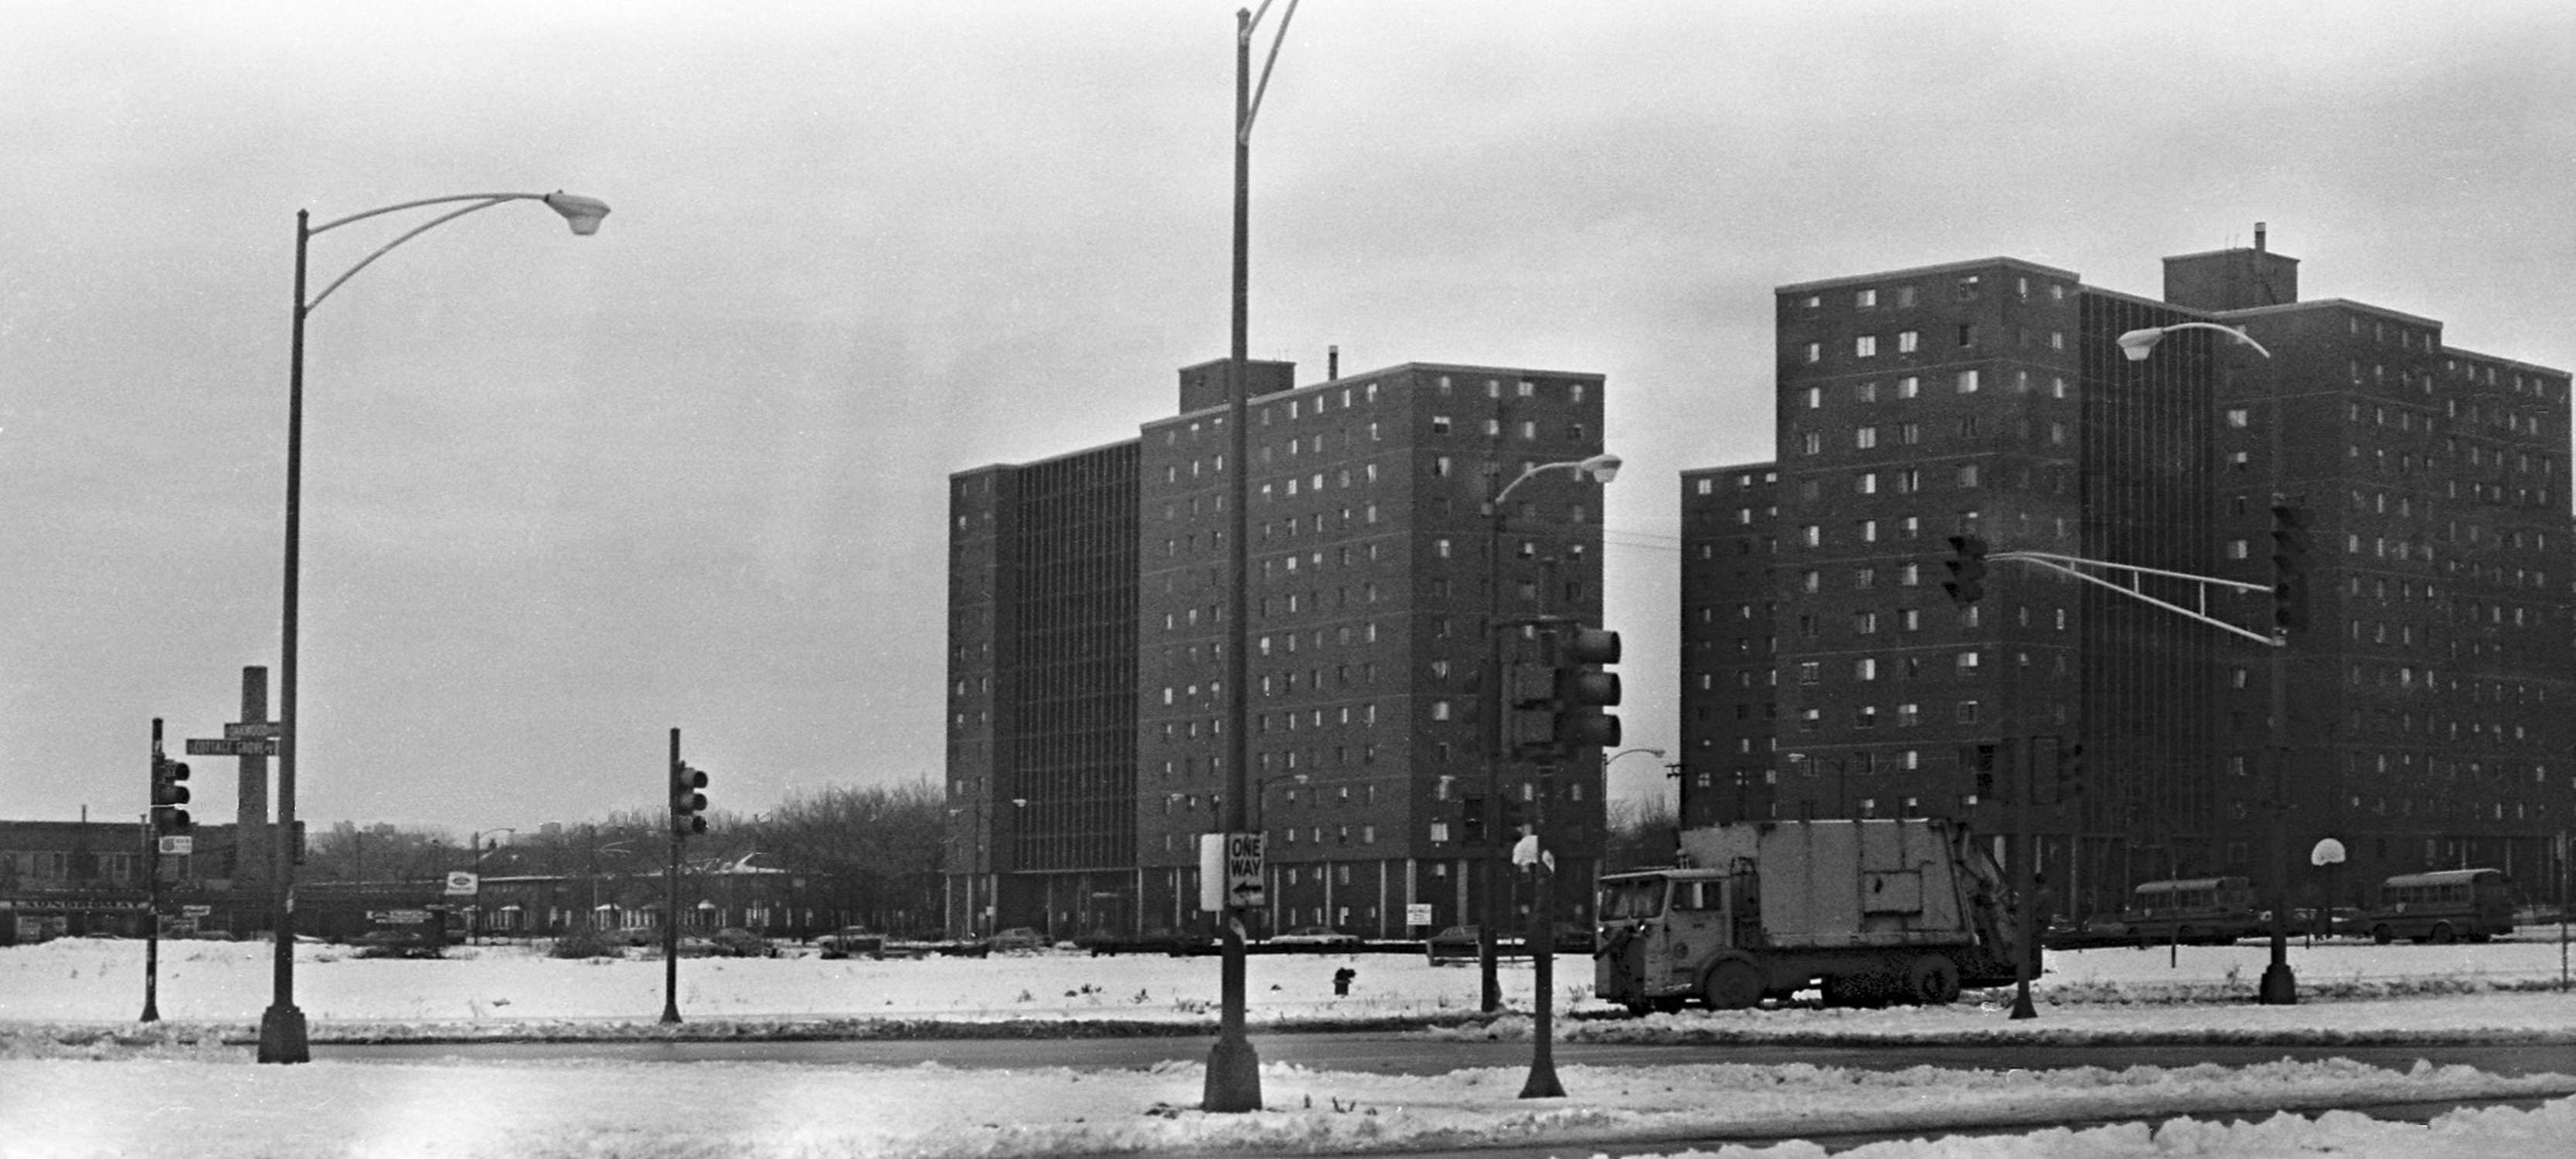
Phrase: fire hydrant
{"type": "Point", "coordinates": [1342, 981]}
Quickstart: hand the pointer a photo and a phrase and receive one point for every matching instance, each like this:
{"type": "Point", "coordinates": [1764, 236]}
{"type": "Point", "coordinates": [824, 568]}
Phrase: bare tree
{"type": "Point", "coordinates": [1642, 833]}
{"type": "Point", "coordinates": [877, 847]}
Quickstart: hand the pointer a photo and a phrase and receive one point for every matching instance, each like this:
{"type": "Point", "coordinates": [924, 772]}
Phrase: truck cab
{"type": "Point", "coordinates": [1658, 928]}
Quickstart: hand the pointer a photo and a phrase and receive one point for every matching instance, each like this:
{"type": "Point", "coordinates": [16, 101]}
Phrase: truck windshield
{"type": "Point", "coordinates": [1642, 898]}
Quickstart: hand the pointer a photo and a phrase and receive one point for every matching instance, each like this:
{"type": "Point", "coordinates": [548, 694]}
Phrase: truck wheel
{"type": "Point", "coordinates": [2381, 934]}
{"type": "Point", "coordinates": [2443, 935]}
{"type": "Point", "coordinates": [1733, 985]}
{"type": "Point", "coordinates": [1933, 980]}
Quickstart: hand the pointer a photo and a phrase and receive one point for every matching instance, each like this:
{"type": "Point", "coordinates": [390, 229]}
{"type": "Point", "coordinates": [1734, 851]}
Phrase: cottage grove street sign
{"type": "Point", "coordinates": [246, 746]}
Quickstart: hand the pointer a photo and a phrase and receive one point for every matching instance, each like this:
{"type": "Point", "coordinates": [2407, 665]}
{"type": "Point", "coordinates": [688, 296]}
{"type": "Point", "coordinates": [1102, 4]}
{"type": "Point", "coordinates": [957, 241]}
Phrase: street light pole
{"type": "Point", "coordinates": [1233, 1081]}
{"type": "Point", "coordinates": [2279, 986]}
{"type": "Point", "coordinates": [282, 1037]}
{"type": "Point", "coordinates": [1604, 468]}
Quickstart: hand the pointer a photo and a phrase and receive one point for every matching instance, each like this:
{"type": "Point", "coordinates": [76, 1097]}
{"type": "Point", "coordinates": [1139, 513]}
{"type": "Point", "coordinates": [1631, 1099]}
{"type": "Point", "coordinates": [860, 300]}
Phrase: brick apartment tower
{"type": "Point", "coordinates": [1825, 672]}
{"type": "Point", "coordinates": [1086, 662]}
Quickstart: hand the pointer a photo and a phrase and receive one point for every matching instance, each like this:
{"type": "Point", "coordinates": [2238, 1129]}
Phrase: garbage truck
{"type": "Point", "coordinates": [1872, 912]}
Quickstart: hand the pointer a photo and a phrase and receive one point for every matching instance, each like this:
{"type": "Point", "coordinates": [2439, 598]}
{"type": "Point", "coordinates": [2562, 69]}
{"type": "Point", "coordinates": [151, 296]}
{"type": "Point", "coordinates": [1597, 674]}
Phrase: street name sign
{"type": "Point", "coordinates": [245, 746]}
{"type": "Point", "coordinates": [238, 731]}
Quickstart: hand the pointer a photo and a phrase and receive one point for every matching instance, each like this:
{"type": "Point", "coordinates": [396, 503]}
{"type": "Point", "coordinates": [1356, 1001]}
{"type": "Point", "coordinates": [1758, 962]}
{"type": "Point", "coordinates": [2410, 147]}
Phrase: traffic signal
{"type": "Point", "coordinates": [1583, 690]}
{"type": "Point", "coordinates": [1967, 582]}
{"type": "Point", "coordinates": [168, 796]}
{"type": "Point", "coordinates": [1533, 705]}
{"type": "Point", "coordinates": [2289, 567]}
{"type": "Point", "coordinates": [688, 805]}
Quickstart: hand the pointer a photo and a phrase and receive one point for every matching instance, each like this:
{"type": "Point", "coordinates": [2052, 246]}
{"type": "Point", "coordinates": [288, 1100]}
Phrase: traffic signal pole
{"type": "Point", "coordinates": [671, 903]}
{"type": "Point", "coordinates": [687, 803]}
{"type": "Point", "coordinates": [152, 876]}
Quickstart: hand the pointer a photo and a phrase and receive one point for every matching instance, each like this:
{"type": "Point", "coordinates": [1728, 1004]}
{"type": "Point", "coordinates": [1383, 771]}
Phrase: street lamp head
{"type": "Point", "coordinates": [2137, 343]}
{"type": "Point", "coordinates": [582, 213]}
{"type": "Point", "coordinates": [1602, 468]}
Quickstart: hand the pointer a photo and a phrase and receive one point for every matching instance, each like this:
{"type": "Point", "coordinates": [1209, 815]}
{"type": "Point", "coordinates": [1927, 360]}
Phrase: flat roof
{"type": "Point", "coordinates": [1926, 271]}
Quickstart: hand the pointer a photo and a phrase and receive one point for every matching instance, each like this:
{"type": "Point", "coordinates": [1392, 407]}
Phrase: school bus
{"type": "Point", "coordinates": [2441, 907]}
{"type": "Point", "coordinates": [2214, 910]}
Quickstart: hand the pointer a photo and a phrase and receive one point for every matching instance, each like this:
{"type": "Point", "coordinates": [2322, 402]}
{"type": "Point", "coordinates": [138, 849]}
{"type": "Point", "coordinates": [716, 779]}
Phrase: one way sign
{"type": "Point", "coordinates": [1231, 871]}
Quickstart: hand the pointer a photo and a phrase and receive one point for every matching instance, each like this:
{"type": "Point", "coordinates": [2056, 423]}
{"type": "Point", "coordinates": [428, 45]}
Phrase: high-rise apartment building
{"type": "Point", "coordinates": [1087, 627]}
{"type": "Point", "coordinates": [1826, 672]}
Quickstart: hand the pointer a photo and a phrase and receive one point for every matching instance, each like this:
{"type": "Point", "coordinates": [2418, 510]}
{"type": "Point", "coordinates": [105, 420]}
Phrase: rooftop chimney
{"type": "Point", "coordinates": [1332, 363]}
{"type": "Point", "coordinates": [2258, 237]}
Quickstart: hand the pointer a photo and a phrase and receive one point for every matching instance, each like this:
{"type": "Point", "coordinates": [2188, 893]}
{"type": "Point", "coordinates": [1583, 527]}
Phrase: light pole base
{"type": "Point", "coordinates": [2021, 1005]}
{"type": "Point", "coordinates": [281, 1036]}
{"type": "Point", "coordinates": [2280, 987]}
{"type": "Point", "coordinates": [1542, 1082]}
{"type": "Point", "coordinates": [1233, 1078]}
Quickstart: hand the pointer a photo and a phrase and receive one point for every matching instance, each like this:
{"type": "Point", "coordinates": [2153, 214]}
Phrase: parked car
{"type": "Point", "coordinates": [1458, 944]}
{"type": "Point", "coordinates": [741, 943]}
{"type": "Point", "coordinates": [852, 941]}
{"type": "Point", "coordinates": [1019, 938]}
{"type": "Point", "coordinates": [1324, 937]}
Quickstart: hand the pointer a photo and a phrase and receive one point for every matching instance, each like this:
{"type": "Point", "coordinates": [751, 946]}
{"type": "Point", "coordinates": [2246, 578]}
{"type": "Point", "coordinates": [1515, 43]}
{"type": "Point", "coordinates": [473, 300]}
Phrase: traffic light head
{"type": "Point", "coordinates": [1584, 691]}
{"type": "Point", "coordinates": [2289, 566]}
{"type": "Point", "coordinates": [688, 804]}
{"type": "Point", "coordinates": [1967, 582]}
{"type": "Point", "coordinates": [169, 796]}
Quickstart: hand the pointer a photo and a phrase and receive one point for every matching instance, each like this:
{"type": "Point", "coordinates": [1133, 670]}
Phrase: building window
{"type": "Point", "coordinates": [1908, 341]}
{"type": "Point", "coordinates": [1967, 381]}
{"type": "Point", "coordinates": [1813, 353]}
{"type": "Point", "coordinates": [1865, 346]}
{"type": "Point", "coordinates": [1865, 438]}
{"type": "Point", "coordinates": [1865, 299]}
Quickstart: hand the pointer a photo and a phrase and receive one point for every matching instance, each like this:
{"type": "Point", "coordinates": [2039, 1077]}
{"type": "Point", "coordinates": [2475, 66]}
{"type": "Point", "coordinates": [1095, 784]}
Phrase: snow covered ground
{"type": "Point", "coordinates": [78, 1077]}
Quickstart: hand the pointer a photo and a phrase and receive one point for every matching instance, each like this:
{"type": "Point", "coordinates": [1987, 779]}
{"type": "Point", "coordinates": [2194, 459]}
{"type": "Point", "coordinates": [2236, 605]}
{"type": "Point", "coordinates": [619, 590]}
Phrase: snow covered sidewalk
{"type": "Point", "coordinates": [79, 1078]}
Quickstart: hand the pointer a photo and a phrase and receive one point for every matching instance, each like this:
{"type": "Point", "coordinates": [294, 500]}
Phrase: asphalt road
{"type": "Point", "coordinates": [1398, 1054]}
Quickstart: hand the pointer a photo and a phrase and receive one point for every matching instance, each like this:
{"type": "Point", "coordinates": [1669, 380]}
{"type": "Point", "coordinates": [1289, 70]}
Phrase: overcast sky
{"type": "Point", "coordinates": [562, 495]}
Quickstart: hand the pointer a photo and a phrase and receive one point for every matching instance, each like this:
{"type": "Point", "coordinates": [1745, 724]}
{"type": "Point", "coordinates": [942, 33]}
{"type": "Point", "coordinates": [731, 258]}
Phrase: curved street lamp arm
{"type": "Point", "coordinates": [1243, 132]}
{"type": "Point", "coordinates": [382, 250]}
{"type": "Point", "coordinates": [2230, 331]}
{"type": "Point", "coordinates": [2136, 343]}
{"type": "Point", "coordinates": [385, 209]}
{"type": "Point", "coordinates": [1526, 475]}
{"type": "Point", "coordinates": [582, 212]}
